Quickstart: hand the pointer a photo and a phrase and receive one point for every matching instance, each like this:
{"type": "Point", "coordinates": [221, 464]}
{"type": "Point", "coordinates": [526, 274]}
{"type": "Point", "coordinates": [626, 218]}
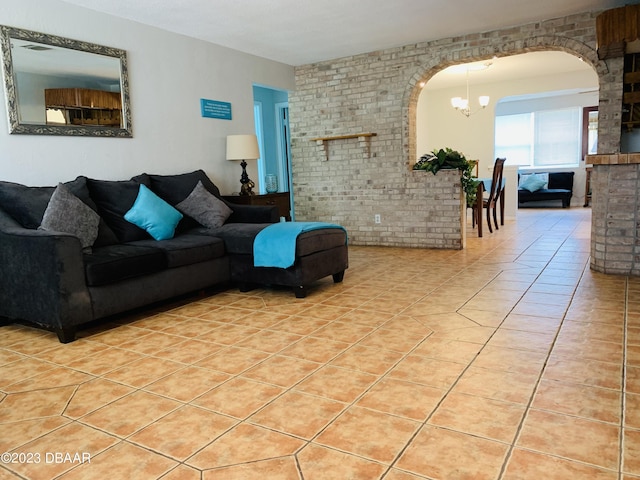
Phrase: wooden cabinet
{"type": "Point", "coordinates": [83, 106]}
{"type": "Point", "coordinates": [280, 200]}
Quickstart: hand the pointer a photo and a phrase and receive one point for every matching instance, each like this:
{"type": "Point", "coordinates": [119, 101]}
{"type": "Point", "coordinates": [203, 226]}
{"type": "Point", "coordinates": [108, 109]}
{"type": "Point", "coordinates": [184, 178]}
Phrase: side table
{"type": "Point", "coordinates": [280, 200]}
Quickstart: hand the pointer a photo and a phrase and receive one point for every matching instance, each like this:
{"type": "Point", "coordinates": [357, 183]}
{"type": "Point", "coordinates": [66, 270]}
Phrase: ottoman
{"type": "Point", "coordinates": [318, 254]}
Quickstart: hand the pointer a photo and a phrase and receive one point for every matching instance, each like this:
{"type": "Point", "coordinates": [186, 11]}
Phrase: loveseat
{"type": "Point", "coordinates": [536, 187]}
{"type": "Point", "coordinates": [128, 244]}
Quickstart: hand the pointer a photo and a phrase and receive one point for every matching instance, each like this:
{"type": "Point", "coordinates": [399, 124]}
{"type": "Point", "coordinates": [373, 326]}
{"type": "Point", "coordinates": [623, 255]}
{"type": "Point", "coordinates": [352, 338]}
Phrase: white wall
{"type": "Point", "coordinates": [168, 75]}
{"type": "Point", "coordinates": [439, 125]}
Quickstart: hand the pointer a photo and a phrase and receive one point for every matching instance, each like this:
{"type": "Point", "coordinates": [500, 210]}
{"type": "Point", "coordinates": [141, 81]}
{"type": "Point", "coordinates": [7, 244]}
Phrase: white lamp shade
{"type": "Point", "coordinates": [242, 147]}
{"type": "Point", "coordinates": [484, 100]}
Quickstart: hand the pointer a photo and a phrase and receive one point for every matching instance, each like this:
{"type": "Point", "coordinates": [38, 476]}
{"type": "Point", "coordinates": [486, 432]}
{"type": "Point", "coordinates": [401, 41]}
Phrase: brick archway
{"type": "Point", "coordinates": [469, 55]}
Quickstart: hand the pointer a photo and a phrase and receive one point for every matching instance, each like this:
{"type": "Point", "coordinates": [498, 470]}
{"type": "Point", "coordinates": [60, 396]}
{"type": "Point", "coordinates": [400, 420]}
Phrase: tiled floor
{"type": "Point", "coordinates": [507, 360]}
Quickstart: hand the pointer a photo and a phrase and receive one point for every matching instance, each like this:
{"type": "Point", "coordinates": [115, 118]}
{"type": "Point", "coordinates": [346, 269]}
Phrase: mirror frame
{"type": "Point", "coordinates": [15, 127]}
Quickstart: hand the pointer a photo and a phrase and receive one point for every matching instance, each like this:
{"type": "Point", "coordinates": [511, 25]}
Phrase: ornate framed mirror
{"type": "Point", "coordinates": [59, 86]}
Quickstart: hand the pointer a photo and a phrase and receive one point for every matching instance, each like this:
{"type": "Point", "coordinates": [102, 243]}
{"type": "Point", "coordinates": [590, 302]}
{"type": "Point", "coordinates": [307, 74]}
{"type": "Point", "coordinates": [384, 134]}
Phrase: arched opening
{"type": "Point", "coordinates": [549, 79]}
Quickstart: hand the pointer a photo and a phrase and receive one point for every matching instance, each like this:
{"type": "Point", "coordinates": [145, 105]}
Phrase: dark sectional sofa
{"type": "Point", "coordinates": [559, 187]}
{"type": "Point", "coordinates": [52, 279]}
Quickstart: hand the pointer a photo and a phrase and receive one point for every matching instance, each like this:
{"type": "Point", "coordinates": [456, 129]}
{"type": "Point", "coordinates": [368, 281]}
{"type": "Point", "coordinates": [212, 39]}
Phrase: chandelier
{"type": "Point", "coordinates": [462, 104]}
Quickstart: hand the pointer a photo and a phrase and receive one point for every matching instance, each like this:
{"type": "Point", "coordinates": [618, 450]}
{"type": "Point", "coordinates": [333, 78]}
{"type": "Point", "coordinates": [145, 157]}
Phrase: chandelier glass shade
{"type": "Point", "coordinates": [462, 104]}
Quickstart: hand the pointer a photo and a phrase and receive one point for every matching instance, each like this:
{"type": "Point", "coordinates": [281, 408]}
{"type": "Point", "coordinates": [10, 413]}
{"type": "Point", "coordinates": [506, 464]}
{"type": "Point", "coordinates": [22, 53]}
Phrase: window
{"type": "Point", "coordinates": [546, 138]}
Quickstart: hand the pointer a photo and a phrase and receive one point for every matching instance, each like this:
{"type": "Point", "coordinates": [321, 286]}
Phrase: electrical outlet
{"type": "Point", "coordinates": [376, 218]}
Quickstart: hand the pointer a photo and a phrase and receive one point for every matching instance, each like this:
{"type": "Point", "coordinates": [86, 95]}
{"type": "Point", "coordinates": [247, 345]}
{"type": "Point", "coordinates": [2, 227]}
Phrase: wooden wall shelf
{"type": "Point", "coordinates": [363, 138]}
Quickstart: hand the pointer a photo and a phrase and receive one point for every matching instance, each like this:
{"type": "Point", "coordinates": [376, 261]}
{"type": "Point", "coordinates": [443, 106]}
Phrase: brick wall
{"type": "Point", "coordinates": [615, 228]}
{"type": "Point", "coordinates": [377, 93]}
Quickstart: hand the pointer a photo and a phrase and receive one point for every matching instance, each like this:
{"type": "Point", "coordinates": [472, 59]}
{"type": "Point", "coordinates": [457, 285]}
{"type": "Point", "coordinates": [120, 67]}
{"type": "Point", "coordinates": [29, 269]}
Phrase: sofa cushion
{"type": "Point", "coordinates": [204, 207]}
{"type": "Point", "coordinates": [238, 237]}
{"type": "Point", "coordinates": [114, 199]}
{"type": "Point", "coordinates": [27, 204]}
{"type": "Point", "coordinates": [114, 263]}
{"type": "Point", "coordinates": [153, 214]}
{"type": "Point", "coordinates": [532, 183]}
{"type": "Point", "coordinates": [67, 213]}
{"type": "Point", "coordinates": [185, 249]}
{"type": "Point", "coordinates": [175, 188]}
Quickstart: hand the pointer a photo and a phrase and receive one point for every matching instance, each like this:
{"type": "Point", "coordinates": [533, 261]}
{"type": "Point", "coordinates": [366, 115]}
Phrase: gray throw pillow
{"type": "Point", "coordinates": [205, 208]}
{"type": "Point", "coordinates": [67, 213]}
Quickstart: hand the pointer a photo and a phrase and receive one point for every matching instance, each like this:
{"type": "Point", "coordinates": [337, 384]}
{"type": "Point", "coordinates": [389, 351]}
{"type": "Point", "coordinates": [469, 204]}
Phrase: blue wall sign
{"type": "Point", "coordinates": [215, 109]}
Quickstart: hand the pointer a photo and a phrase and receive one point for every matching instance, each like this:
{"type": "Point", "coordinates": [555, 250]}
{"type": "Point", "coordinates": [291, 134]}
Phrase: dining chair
{"type": "Point", "coordinates": [492, 201]}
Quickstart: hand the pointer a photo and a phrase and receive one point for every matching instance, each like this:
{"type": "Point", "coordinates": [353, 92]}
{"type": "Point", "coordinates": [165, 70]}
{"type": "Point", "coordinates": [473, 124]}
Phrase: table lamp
{"type": "Point", "coordinates": [243, 147]}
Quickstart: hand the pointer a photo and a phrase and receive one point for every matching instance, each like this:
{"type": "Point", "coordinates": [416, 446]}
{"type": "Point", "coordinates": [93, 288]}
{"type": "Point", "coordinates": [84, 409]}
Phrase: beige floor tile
{"type": "Point", "coordinates": [56, 377]}
{"type": "Point", "coordinates": [402, 341]}
{"type": "Point", "coordinates": [233, 360]}
{"type": "Point", "coordinates": [123, 460]}
{"type": "Point", "coordinates": [270, 341]}
{"type": "Point", "coordinates": [482, 417]}
{"type": "Point", "coordinates": [632, 411]}
{"type": "Point", "coordinates": [439, 453]}
{"type": "Point", "coordinates": [631, 454]}
{"type": "Point", "coordinates": [245, 444]}
{"type": "Point", "coordinates": [526, 465]}
{"type": "Point", "coordinates": [183, 472]}
{"type": "Point", "coordinates": [530, 323]}
{"type": "Point", "coordinates": [35, 404]}
{"type": "Point", "coordinates": [189, 351]}
{"type": "Point", "coordinates": [477, 334]}
{"type": "Point", "coordinates": [152, 343]}
{"type": "Point", "coordinates": [105, 361]}
{"type": "Point", "coordinates": [521, 340]}
{"type": "Point", "coordinates": [315, 349]}
{"type": "Point", "coordinates": [91, 396]}
{"type": "Point", "coordinates": [510, 360]}
{"type": "Point", "coordinates": [284, 468]}
{"type": "Point", "coordinates": [580, 400]}
{"type": "Point", "coordinates": [239, 397]}
{"type": "Point", "coordinates": [427, 371]}
{"type": "Point", "coordinates": [587, 372]}
{"type": "Point", "coordinates": [145, 371]}
{"type": "Point", "coordinates": [298, 414]}
{"type": "Point", "coordinates": [79, 441]}
{"type": "Point", "coordinates": [368, 360]}
{"type": "Point", "coordinates": [20, 432]}
{"type": "Point", "coordinates": [183, 432]}
{"type": "Point", "coordinates": [405, 399]}
{"type": "Point", "coordinates": [64, 354]}
{"type": "Point", "coordinates": [450, 350]}
{"type": "Point", "coordinates": [187, 383]}
{"type": "Point", "coordinates": [300, 325]}
{"type": "Point", "coordinates": [579, 439]}
{"type": "Point", "coordinates": [323, 463]}
{"type": "Point", "coordinates": [343, 332]}
{"type": "Point", "coordinates": [499, 385]}
{"type": "Point", "coordinates": [371, 318]}
{"type": "Point", "coordinates": [130, 413]}
{"type": "Point", "coordinates": [572, 331]}
{"type": "Point", "coordinates": [228, 334]}
{"type": "Point", "coordinates": [373, 435]}
{"type": "Point", "coordinates": [21, 370]}
{"type": "Point", "coordinates": [282, 371]}
{"type": "Point", "coordinates": [337, 383]}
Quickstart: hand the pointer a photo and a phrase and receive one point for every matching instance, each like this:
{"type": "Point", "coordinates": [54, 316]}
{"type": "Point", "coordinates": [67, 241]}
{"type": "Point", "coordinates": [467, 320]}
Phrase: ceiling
{"type": "Point", "coordinates": [298, 32]}
{"type": "Point", "coordinates": [504, 69]}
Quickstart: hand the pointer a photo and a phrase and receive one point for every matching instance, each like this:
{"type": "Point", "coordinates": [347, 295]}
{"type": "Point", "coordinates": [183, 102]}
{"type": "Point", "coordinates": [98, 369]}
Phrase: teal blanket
{"type": "Point", "coordinates": [275, 245]}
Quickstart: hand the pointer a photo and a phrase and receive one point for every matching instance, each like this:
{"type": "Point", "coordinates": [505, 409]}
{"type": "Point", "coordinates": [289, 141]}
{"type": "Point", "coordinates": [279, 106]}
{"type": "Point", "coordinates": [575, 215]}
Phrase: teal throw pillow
{"type": "Point", "coordinates": [533, 183]}
{"type": "Point", "coordinates": [153, 214]}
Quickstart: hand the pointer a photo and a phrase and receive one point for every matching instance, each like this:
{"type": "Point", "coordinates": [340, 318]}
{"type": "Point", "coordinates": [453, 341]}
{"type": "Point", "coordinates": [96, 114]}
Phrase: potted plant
{"type": "Point", "coordinates": [451, 159]}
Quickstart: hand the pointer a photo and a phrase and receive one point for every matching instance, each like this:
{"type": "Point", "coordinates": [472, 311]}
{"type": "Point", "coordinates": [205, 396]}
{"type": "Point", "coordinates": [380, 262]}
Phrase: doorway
{"type": "Point", "coordinates": [271, 109]}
